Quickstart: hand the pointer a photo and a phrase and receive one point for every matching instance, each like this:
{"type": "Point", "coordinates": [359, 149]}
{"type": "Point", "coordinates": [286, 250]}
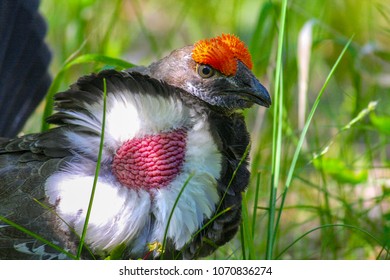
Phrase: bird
{"type": "Point", "coordinates": [170, 144]}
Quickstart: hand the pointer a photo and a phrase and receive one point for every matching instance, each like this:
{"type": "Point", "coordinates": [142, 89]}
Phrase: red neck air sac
{"type": "Point", "coordinates": [152, 161]}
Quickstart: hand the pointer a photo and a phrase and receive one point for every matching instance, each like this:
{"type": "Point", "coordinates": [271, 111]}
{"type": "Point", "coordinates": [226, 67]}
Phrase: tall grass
{"type": "Point", "coordinates": [317, 192]}
{"type": "Point", "coordinates": [276, 135]}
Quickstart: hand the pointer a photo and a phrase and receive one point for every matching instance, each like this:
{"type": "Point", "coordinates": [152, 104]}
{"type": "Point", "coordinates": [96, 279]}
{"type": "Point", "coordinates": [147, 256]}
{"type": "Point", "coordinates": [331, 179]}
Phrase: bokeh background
{"type": "Point", "coordinates": [338, 204]}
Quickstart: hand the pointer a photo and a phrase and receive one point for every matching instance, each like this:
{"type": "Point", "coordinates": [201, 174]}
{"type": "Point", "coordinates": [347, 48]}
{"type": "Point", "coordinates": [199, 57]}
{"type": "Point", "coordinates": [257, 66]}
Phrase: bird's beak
{"type": "Point", "coordinates": [258, 94]}
{"type": "Point", "coordinates": [250, 88]}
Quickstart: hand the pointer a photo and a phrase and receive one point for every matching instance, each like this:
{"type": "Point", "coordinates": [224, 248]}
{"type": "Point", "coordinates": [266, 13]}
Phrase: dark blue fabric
{"type": "Point", "coordinates": [24, 61]}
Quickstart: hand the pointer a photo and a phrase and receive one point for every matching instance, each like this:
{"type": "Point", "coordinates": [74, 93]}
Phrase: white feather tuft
{"type": "Point", "coordinates": [117, 214]}
{"type": "Point", "coordinates": [135, 216]}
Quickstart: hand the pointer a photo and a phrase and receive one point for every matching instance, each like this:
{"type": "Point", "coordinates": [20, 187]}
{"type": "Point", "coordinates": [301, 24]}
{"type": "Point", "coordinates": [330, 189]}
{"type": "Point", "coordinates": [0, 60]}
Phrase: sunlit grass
{"type": "Point", "coordinates": [338, 200]}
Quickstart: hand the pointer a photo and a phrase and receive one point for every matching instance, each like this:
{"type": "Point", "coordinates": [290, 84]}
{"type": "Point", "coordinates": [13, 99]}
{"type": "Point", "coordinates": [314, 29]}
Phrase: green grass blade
{"type": "Point", "coordinates": [331, 226]}
{"type": "Point", "coordinates": [98, 58]}
{"type": "Point", "coordinates": [247, 230]}
{"type": "Point", "coordinates": [37, 237]}
{"type": "Point", "coordinates": [50, 209]}
{"type": "Point", "coordinates": [242, 242]}
{"type": "Point", "coordinates": [243, 158]}
{"type": "Point", "coordinates": [97, 171]}
{"type": "Point", "coordinates": [361, 115]}
{"type": "Point", "coordinates": [48, 110]}
{"type": "Point", "coordinates": [255, 205]}
{"type": "Point", "coordinates": [304, 132]}
{"type": "Point", "coordinates": [171, 213]}
{"type": "Point", "coordinates": [206, 225]}
{"type": "Point", "coordinates": [211, 220]}
{"type": "Point", "coordinates": [276, 135]}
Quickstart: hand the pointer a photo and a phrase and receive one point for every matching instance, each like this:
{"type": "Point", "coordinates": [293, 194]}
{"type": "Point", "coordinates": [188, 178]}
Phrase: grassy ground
{"type": "Point", "coordinates": [323, 194]}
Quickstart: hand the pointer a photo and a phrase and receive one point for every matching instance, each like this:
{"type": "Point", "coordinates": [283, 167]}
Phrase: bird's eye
{"type": "Point", "coordinates": [205, 71]}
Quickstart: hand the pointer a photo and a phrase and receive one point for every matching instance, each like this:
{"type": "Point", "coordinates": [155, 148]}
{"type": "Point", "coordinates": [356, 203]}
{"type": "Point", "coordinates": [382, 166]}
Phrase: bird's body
{"type": "Point", "coordinates": [172, 170]}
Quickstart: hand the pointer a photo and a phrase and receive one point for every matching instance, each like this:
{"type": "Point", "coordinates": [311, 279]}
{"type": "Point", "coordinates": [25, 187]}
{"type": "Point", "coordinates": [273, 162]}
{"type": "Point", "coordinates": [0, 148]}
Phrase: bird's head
{"type": "Point", "coordinates": [216, 70]}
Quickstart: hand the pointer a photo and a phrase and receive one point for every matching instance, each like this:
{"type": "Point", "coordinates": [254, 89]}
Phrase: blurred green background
{"type": "Point", "coordinates": [338, 205]}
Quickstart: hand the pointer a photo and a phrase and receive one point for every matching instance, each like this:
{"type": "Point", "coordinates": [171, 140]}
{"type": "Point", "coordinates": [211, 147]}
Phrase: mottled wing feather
{"type": "Point", "coordinates": [22, 176]}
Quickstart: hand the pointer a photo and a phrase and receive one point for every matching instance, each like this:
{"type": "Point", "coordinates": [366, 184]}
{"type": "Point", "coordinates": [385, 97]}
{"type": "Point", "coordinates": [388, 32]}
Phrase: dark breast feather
{"type": "Point", "coordinates": [233, 139]}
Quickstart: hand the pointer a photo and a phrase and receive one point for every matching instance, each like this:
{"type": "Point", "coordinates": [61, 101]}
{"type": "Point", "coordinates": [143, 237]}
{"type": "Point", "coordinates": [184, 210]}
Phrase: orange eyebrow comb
{"type": "Point", "coordinates": [222, 53]}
